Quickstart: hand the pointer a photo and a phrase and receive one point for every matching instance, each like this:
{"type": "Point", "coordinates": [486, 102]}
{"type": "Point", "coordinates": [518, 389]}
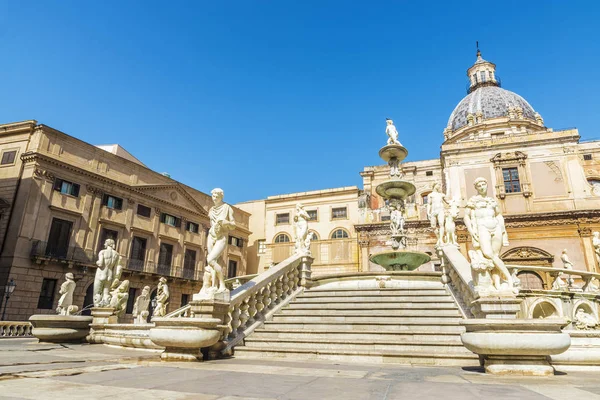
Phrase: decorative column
{"type": "Point", "coordinates": [585, 233]}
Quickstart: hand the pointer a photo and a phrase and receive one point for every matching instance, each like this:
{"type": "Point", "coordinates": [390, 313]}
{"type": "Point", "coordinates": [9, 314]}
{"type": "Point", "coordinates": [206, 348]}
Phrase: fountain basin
{"type": "Point", "coordinates": [400, 260]}
{"type": "Point", "coordinates": [393, 151]}
{"type": "Point", "coordinates": [395, 189]}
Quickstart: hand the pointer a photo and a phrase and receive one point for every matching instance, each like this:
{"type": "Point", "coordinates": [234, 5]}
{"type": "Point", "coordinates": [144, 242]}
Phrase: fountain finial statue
{"type": "Point", "coordinates": [392, 133]}
{"type": "Point", "coordinates": [486, 226]}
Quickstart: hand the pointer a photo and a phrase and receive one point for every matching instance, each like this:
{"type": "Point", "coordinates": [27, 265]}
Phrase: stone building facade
{"type": "Point", "coordinates": [61, 198]}
{"type": "Point", "coordinates": [547, 183]}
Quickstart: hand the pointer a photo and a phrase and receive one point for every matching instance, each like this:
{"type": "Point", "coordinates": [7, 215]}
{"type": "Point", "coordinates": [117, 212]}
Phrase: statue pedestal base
{"type": "Point", "coordinates": [224, 296]}
{"type": "Point", "coordinates": [103, 315]}
{"type": "Point", "coordinates": [497, 307]}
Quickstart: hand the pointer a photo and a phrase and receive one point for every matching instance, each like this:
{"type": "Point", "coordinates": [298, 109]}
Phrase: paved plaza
{"type": "Point", "coordinates": [29, 370]}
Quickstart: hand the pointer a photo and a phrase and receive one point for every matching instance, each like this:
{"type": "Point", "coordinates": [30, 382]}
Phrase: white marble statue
{"type": "Point", "coordinates": [65, 303]}
{"type": "Point", "coordinates": [396, 219]}
{"type": "Point", "coordinates": [596, 243]}
{"type": "Point", "coordinates": [221, 222]}
{"type": "Point", "coordinates": [449, 224]}
{"type": "Point", "coordinates": [302, 241]}
{"type": "Point", "coordinates": [486, 226]}
{"type": "Point", "coordinates": [140, 307]}
{"type": "Point", "coordinates": [559, 283]}
{"type": "Point", "coordinates": [584, 320]}
{"type": "Point", "coordinates": [119, 297]}
{"type": "Point", "coordinates": [108, 273]}
{"type": "Point", "coordinates": [435, 211]}
{"type": "Point", "coordinates": [567, 265]}
{"type": "Point", "coordinates": [162, 298]}
{"type": "Point", "coordinates": [392, 133]}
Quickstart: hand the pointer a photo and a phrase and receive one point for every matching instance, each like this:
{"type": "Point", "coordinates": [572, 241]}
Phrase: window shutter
{"type": "Point", "coordinates": [240, 242]}
{"type": "Point", "coordinates": [177, 222]}
{"type": "Point", "coordinates": [163, 217]}
{"type": "Point", "coordinates": [75, 191]}
{"type": "Point", "coordinates": [119, 204]}
{"type": "Point", "coordinates": [57, 184]}
{"type": "Point", "coordinates": [104, 199]}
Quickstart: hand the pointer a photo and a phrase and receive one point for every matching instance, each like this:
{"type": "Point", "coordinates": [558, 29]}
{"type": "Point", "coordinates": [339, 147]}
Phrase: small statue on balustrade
{"type": "Point", "coordinates": [568, 265]}
{"type": "Point", "coordinates": [485, 223]}
{"type": "Point", "coordinates": [449, 224]}
{"type": "Point", "coordinates": [162, 298]}
{"type": "Point", "coordinates": [596, 243]}
{"type": "Point", "coordinates": [65, 303]}
{"type": "Point", "coordinates": [119, 297]}
{"type": "Point", "coordinates": [301, 236]}
{"type": "Point", "coordinates": [140, 307]}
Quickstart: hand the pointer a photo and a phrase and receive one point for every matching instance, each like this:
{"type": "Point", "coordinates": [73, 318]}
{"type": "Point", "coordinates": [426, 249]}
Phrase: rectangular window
{"type": "Point", "coordinates": [58, 239]}
{"type": "Point", "coordinates": [47, 294]}
{"type": "Point", "coordinates": [192, 227]}
{"type": "Point", "coordinates": [138, 254]}
{"type": "Point", "coordinates": [483, 76]}
{"type": "Point", "coordinates": [143, 211]}
{"type": "Point", "coordinates": [282, 218]}
{"type": "Point", "coordinates": [165, 255]}
{"type": "Point", "coordinates": [8, 157]}
{"type": "Point", "coordinates": [428, 173]}
{"type": "Point", "coordinates": [313, 215]}
{"type": "Point", "coordinates": [587, 157]}
{"type": "Point", "coordinates": [185, 299]}
{"type": "Point", "coordinates": [232, 269]}
{"type": "Point", "coordinates": [236, 241]}
{"type": "Point", "coordinates": [112, 202]}
{"type": "Point", "coordinates": [170, 220]}
{"type": "Point", "coordinates": [189, 260]}
{"type": "Point", "coordinates": [339, 213]}
{"type": "Point", "coordinates": [511, 180]}
{"type": "Point", "coordinates": [66, 187]}
{"type": "Point", "coordinates": [131, 300]}
{"type": "Point", "coordinates": [262, 246]}
{"type": "Point", "coordinates": [107, 234]}
{"type": "Point", "coordinates": [385, 218]}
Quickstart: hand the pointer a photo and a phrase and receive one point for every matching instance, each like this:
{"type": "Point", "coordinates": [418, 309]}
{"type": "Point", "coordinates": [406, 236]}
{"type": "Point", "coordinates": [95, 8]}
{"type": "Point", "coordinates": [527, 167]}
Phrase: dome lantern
{"type": "Point", "coordinates": [482, 73]}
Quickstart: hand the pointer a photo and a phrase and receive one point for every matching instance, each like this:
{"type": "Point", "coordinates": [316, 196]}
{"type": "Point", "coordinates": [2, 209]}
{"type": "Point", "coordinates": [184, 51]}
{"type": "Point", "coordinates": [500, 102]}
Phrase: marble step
{"type": "Point", "coordinates": [371, 325]}
{"type": "Point", "coordinates": [387, 305]}
{"type": "Point", "coordinates": [364, 317]}
{"type": "Point", "coordinates": [365, 356]}
{"type": "Point", "coordinates": [374, 292]}
{"type": "Point", "coordinates": [374, 311]}
{"type": "Point", "coordinates": [398, 336]}
{"type": "Point", "coordinates": [373, 344]}
{"type": "Point", "coordinates": [445, 298]}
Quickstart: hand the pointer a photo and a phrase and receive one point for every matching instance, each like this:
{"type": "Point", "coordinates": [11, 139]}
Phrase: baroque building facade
{"type": "Point", "coordinates": [61, 198]}
{"type": "Point", "coordinates": [547, 183]}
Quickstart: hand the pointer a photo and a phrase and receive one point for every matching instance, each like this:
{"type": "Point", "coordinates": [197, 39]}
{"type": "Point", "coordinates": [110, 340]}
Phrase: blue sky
{"type": "Point", "coordinates": [271, 97]}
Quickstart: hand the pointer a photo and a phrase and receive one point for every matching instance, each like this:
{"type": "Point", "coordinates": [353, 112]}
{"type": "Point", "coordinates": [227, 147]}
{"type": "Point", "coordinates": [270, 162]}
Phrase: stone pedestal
{"type": "Point", "coordinates": [213, 308]}
{"type": "Point", "coordinates": [497, 307]}
{"type": "Point", "coordinates": [103, 315]}
{"type": "Point", "coordinates": [60, 328]}
{"type": "Point", "coordinates": [516, 347]}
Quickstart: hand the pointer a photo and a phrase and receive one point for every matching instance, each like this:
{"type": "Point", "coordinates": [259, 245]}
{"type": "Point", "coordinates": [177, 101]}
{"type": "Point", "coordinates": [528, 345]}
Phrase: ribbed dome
{"type": "Point", "coordinates": [492, 101]}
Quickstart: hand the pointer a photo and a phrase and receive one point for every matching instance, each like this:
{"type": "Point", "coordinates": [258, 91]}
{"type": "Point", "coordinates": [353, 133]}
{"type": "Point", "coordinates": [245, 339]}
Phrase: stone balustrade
{"type": "Point", "coordinates": [15, 329]}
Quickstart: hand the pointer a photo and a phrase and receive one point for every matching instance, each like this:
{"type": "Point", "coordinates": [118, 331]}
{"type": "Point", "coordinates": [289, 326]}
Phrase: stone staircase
{"type": "Point", "coordinates": [416, 325]}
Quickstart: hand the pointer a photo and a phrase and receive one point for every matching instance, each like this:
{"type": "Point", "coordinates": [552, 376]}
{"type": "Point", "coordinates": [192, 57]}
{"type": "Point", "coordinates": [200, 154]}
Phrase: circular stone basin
{"type": "Point", "coordinates": [393, 151]}
{"type": "Point", "coordinates": [400, 260]}
{"type": "Point", "coordinates": [395, 189]}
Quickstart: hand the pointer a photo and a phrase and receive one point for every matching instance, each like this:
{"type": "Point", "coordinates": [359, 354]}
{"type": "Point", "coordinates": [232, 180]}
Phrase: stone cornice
{"type": "Point", "coordinates": [34, 157]}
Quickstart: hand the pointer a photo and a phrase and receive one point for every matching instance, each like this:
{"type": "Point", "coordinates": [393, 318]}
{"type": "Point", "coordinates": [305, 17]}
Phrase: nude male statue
{"type": "Point", "coordinates": [107, 274]}
{"type": "Point", "coordinates": [486, 226]}
{"type": "Point", "coordinates": [435, 211]}
{"type": "Point", "coordinates": [392, 133]}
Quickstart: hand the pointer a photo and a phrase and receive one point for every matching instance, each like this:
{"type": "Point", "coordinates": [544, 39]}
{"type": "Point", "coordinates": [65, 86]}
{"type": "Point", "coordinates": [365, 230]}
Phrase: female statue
{"type": "Point", "coordinates": [301, 229]}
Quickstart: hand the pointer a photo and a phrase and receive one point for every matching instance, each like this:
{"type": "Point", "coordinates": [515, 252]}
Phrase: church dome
{"type": "Point", "coordinates": [492, 102]}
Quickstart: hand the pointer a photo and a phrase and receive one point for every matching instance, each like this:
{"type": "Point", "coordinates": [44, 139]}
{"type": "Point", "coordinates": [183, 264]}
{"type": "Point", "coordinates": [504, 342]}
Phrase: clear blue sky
{"type": "Point", "coordinates": [289, 95]}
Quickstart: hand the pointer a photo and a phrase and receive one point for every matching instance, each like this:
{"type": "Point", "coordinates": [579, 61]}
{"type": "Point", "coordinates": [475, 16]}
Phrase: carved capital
{"type": "Point", "coordinates": [94, 190]}
{"type": "Point", "coordinates": [131, 202]}
{"type": "Point", "coordinates": [44, 174]}
{"type": "Point", "coordinates": [462, 237]}
{"type": "Point", "coordinates": [363, 242]}
{"type": "Point", "coordinates": [157, 211]}
{"type": "Point", "coordinates": [584, 231]}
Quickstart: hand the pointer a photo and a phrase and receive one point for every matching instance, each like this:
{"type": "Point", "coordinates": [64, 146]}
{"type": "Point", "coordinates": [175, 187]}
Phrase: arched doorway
{"type": "Point", "coordinates": [150, 306]}
{"type": "Point", "coordinates": [88, 301]}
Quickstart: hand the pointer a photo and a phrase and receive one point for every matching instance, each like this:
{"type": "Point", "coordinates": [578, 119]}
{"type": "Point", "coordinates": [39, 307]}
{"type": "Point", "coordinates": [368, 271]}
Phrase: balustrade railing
{"type": "Point", "coordinates": [15, 329]}
{"type": "Point", "coordinates": [324, 252]}
{"type": "Point", "coordinates": [561, 279]}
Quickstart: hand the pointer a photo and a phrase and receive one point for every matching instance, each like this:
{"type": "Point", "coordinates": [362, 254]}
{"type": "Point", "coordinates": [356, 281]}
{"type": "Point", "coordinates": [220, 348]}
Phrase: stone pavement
{"type": "Point", "coordinates": [29, 370]}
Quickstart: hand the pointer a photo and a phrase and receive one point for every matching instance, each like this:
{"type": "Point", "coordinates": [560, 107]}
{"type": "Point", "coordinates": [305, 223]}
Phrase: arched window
{"type": "Point", "coordinates": [530, 280]}
{"type": "Point", "coordinates": [339, 234]}
{"type": "Point", "coordinates": [282, 238]}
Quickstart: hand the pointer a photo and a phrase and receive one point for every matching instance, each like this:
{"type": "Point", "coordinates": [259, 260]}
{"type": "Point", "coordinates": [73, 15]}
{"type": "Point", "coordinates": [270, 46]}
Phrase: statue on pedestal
{"type": "Point", "coordinates": [140, 307]}
{"type": "Point", "coordinates": [119, 297]}
{"type": "Point", "coordinates": [162, 298]}
{"type": "Point", "coordinates": [392, 133]}
{"type": "Point", "coordinates": [568, 265]}
{"type": "Point", "coordinates": [436, 212]}
{"type": "Point", "coordinates": [450, 225]}
{"type": "Point", "coordinates": [301, 237]}
{"type": "Point", "coordinates": [486, 226]}
{"type": "Point", "coordinates": [108, 273]}
{"type": "Point", "coordinates": [65, 303]}
{"type": "Point", "coordinates": [221, 222]}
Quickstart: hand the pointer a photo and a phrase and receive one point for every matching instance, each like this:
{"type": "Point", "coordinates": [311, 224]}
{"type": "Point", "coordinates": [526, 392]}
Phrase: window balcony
{"type": "Point", "coordinates": [44, 251]}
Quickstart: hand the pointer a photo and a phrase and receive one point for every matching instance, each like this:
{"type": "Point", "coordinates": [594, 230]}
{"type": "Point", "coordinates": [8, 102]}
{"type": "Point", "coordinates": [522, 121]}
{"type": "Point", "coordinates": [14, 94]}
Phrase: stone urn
{"type": "Point", "coordinates": [183, 337]}
{"type": "Point", "coordinates": [60, 328]}
{"type": "Point", "coordinates": [516, 346]}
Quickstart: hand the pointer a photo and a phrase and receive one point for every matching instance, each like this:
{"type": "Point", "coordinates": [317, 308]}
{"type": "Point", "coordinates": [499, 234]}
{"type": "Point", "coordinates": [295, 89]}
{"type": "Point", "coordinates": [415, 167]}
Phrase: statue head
{"type": "Point", "coordinates": [217, 195]}
{"type": "Point", "coordinates": [124, 286]}
{"type": "Point", "coordinates": [436, 186]}
{"type": "Point", "coordinates": [564, 251]}
{"type": "Point", "coordinates": [109, 243]}
{"type": "Point", "coordinates": [146, 291]}
{"type": "Point", "coordinates": [162, 281]}
{"type": "Point", "coordinates": [69, 276]}
{"type": "Point", "coordinates": [481, 185]}
{"type": "Point", "coordinates": [299, 206]}
{"type": "Point", "coordinates": [389, 121]}
{"type": "Point", "coordinates": [596, 234]}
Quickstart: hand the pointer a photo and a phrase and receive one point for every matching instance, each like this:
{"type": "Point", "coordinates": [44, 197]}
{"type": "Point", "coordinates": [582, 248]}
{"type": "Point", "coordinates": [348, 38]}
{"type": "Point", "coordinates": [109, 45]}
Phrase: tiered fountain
{"type": "Point", "coordinates": [395, 191]}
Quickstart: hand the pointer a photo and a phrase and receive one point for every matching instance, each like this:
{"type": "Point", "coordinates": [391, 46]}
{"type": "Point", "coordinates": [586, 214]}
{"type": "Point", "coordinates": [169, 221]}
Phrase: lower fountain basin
{"type": "Point", "coordinates": [395, 189]}
{"type": "Point", "coordinates": [400, 260]}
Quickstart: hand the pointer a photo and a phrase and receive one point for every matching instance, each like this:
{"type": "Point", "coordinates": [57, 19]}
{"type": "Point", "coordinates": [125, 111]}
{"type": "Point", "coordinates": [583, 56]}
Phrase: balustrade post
{"type": "Point", "coordinates": [305, 271]}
